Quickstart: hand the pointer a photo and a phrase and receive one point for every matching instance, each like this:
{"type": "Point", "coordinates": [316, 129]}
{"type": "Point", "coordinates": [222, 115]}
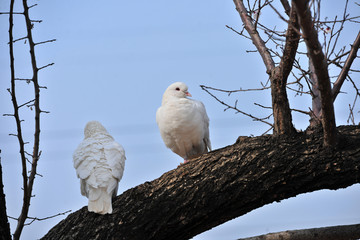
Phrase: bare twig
{"type": "Point", "coordinates": [33, 219]}
{"type": "Point", "coordinates": [234, 91]}
{"type": "Point", "coordinates": [234, 107]}
{"type": "Point", "coordinates": [26, 103]}
{"type": "Point", "coordinates": [48, 41]}
{"type": "Point", "coordinates": [47, 65]}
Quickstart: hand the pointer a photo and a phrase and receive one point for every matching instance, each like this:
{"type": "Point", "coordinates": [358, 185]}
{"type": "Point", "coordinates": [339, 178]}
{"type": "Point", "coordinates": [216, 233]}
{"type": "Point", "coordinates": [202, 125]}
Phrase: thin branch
{"type": "Point", "coordinates": [232, 29]}
{"type": "Point", "coordinates": [234, 108]}
{"type": "Point", "coordinates": [345, 70]}
{"type": "Point", "coordinates": [234, 91]}
{"type": "Point", "coordinates": [351, 113]}
{"type": "Point", "coordinates": [34, 5]}
{"type": "Point", "coordinates": [33, 219]}
{"type": "Point", "coordinates": [300, 111]}
{"type": "Point", "coordinates": [257, 104]}
{"type": "Point", "coordinates": [48, 41]}
{"type": "Point", "coordinates": [37, 21]}
{"type": "Point", "coordinates": [11, 13]}
{"type": "Point", "coordinates": [28, 80]}
{"type": "Point", "coordinates": [19, 39]}
{"type": "Point", "coordinates": [48, 65]}
{"type": "Point", "coordinates": [27, 103]}
{"type": "Point", "coordinates": [337, 57]}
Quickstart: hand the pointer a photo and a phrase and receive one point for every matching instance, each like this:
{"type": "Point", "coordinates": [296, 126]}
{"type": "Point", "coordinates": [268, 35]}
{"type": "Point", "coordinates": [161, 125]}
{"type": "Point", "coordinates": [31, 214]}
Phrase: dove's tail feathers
{"type": "Point", "coordinates": [99, 201]}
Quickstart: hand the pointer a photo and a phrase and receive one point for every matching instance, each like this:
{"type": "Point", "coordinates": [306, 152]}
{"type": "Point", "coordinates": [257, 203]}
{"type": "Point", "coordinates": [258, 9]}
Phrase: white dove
{"type": "Point", "coordinates": [99, 162]}
{"type": "Point", "coordinates": [183, 122]}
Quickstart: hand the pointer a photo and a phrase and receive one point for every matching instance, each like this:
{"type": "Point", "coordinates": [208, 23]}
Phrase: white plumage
{"type": "Point", "coordinates": [99, 162]}
{"type": "Point", "coordinates": [183, 122]}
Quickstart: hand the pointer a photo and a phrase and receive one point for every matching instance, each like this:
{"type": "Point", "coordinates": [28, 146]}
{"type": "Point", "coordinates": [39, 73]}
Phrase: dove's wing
{"type": "Point", "coordinates": [203, 122]}
{"type": "Point", "coordinates": [115, 156]}
{"type": "Point", "coordinates": [86, 157]}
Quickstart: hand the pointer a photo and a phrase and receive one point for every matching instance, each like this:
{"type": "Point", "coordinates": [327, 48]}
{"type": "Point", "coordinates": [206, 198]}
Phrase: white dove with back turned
{"type": "Point", "coordinates": [183, 122]}
{"type": "Point", "coordinates": [99, 162]}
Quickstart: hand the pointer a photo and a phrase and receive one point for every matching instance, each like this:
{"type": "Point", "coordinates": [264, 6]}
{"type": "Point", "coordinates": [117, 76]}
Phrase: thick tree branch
{"type": "Point", "coordinates": [280, 103]}
{"type": "Point", "coordinates": [220, 186]}
{"type": "Point", "coordinates": [345, 70]}
{"type": "Point", "coordinates": [345, 232]}
{"type": "Point", "coordinates": [320, 66]}
{"type": "Point", "coordinates": [255, 36]}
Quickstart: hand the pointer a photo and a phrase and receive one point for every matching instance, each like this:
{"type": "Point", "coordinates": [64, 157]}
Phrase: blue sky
{"type": "Point", "coordinates": [113, 62]}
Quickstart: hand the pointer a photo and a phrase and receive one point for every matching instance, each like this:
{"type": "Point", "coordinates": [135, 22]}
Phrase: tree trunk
{"type": "Point", "coordinates": [222, 185]}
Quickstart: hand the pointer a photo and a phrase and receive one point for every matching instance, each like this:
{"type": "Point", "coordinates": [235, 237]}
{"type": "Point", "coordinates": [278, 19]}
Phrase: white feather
{"type": "Point", "coordinates": [183, 122]}
{"type": "Point", "coordinates": [99, 162]}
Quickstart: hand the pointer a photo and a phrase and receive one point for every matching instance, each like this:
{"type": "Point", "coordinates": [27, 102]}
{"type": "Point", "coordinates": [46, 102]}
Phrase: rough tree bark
{"type": "Point", "coordinates": [220, 186]}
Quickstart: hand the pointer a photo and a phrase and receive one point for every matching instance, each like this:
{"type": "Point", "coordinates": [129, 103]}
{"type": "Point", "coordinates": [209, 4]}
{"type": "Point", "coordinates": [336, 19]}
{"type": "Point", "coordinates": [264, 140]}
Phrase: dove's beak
{"type": "Point", "coordinates": [188, 94]}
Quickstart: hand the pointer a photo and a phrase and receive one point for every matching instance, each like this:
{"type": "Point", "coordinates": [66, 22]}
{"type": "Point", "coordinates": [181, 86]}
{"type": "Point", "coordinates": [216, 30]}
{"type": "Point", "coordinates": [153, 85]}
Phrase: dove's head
{"type": "Point", "coordinates": [177, 90]}
{"type": "Point", "coordinates": [93, 127]}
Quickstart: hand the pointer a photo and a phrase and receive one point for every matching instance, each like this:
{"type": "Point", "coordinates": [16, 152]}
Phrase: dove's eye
{"type": "Point", "coordinates": [177, 89]}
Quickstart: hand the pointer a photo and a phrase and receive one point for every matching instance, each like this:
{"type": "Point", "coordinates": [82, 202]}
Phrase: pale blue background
{"type": "Point", "coordinates": [113, 61]}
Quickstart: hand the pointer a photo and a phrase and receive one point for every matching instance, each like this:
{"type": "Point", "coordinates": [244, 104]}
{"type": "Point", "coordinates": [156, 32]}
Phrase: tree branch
{"type": "Point", "coordinates": [255, 37]}
{"type": "Point", "coordinates": [286, 6]}
{"type": "Point", "coordinates": [345, 232]}
{"type": "Point", "coordinates": [205, 88]}
{"type": "Point", "coordinates": [345, 70]}
{"type": "Point", "coordinates": [16, 112]}
{"type": "Point", "coordinates": [220, 186]}
{"type": "Point", "coordinates": [280, 103]}
{"type": "Point", "coordinates": [28, 182]}
{"type": "Point", "coordinates": [321, 71]}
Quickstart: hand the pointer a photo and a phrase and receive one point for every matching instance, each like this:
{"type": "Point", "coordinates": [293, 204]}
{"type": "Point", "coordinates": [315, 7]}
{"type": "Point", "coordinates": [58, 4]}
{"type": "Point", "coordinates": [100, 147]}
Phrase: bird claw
{"type": "Point", "coordinates": [185, 161]}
